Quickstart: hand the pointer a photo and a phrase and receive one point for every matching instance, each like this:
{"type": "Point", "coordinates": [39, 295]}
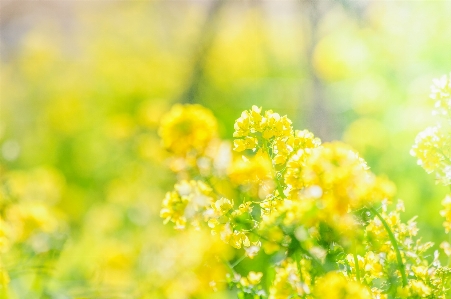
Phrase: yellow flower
{"type": "Point", "coordinates": [187, 128]}
{"type": "Point", "coordinates": [190, 265]}
{"type": "Point", "coordinates": [335, 286]}
{"type": "Point", "coordinates": [446, 213]}
{"type": "Point", "coordinates": [238, 239]}
{"type": "Point", "coordinates": [240, 145]}
{"type": "Point", "coordinates": [255, 175]}
{"type": "Point", "coordinates": [288, 284]}
{"type": "Point", "coordinates": [432, 148]}
{"type": "Point", "coordinates": [370, 265]}
{"type": "Point", "coordinates": [223, 205]}
{"type": "Point", "coordinates": [446, 247]}
{"type": "Point", "coordinates": [343, 179]}
{"type": "Point", "coordinates": [187, 202]}
{"type": "Point", "coordinates": [272, 134]}
{"type": "Point", "coordinates": [417, 287]}
{"type": "Point", "coordinates": [28, 218]}
{"type": "Point", "coordinates": [441, 95]}
{"type": "Point", "coordinates": [254, 277]}
{"type": "Point", "coordinates": [293, 177]}
{"type": "Point", "coordinates": [275, 125]}
{"type": "Point", "coordinates": [242, 125]}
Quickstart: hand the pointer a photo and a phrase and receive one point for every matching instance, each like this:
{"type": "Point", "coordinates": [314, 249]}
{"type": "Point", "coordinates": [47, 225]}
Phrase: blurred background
{"type": "Point", "coordinates": [83, 85]}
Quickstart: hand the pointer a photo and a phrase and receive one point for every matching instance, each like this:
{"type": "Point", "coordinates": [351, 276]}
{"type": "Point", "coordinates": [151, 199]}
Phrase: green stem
{"type": "Point", "coordinates": [280, 189]}
{"type": "Point", "coordinates": [228, 266]}
{"type": "Point", "coordinates": [238, 261]}
{"type": "Point", "coordinates": [298, 264]}
{"type": "Point", "coordinates": [401, 266]}
{"type": "Point", "coordinates": [357, 268]}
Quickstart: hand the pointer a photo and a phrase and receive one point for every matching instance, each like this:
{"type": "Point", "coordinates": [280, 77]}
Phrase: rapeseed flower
{"type": "Point", "coordinates": [432, 148]}
{"type": "Point", "coordinates": [187, 129]}
{"type": "Point", "coordinates": [335, 286]}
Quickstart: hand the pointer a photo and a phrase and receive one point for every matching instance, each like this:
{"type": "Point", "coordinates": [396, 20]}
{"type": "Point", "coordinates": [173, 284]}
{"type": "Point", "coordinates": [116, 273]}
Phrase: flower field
{"type": "Point", "coordinates": [225, 149]}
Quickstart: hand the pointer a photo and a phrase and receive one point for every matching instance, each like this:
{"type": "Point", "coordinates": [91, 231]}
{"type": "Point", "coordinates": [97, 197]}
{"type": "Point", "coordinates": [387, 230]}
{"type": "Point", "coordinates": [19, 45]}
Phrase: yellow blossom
{"type": "Point", "coordinates": [446, 248]}
{"type": "Point", "coordinates": [240, 145]}
{"type": "Point", "coordinates": [441, 95]}
{"type": "Point", "coordinates": [446, 213]}
{"type": "Point", "coordinates": [415, 288]}
{"type": "Point", "coordinates": [28, 218]}
{"type": "Point", "coordinates": [186, 202]}
{"type": "Point", "coordinates": [238, 239]}
{"type": "Point", "coordinates": [254, 277]}
{"type": "Point", "coordinates": [432, 149]}
{"type": "Point", "coordinates": [223, 205]}
{"type": "Point", "coordinates": [255, 175]}
{"type": "Point", "coordinates": [288, 282]}
{"type": "Point", "coordinates": [274, 125]}
{"type": "Point", "coordinates": [336, 178]}
{"type": "Point", "coordinates": [187, 128]}
{"type": "Point", "coordinates": [242, 125]}
{"type": "Point", "coordinates": [335, 286]}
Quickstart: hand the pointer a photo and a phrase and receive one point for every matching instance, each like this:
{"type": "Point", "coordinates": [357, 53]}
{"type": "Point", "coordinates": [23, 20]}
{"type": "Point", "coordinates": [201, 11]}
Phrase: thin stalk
{"type": "Point", "coordinates": [401, 266]}
{"type": "Point", "coordinates": [298, 264]}
{"type": "Point", "coordinates": [356, 261]}
{"type": "Point", "coordinates": [228, 266]}
{"type": "Point", "coordinates": [238, 261]}
{"type": "Point", "coordinates": [280, 189]}
{"type": "Point", "coordinates": [357, 267]}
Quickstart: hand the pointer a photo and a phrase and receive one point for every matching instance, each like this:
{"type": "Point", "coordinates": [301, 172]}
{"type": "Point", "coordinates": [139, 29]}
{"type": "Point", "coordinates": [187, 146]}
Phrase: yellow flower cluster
{"type": "Point", "coordinates": [441, 95]}
{"type": "Point", "coordinates": [426, 279]}
{"type": "Point", "coordinates": [415, 289]}
{"type": "Point", "coordinates": [315, 208]}
{"type": "Point", "coordinates": [26, 204]}
{"type": "Point", "coordinates": [378, 236]}
{"type": "Point", "coordinates": [288, 282]}
{"type": "Point", "coordinates": [370, 265]}
{"type": "Point", "coordinates": [335, 286]}
{"type": "Point", "coordinates": [190, 266]}
{"type": "Point", "coordinates": [188, 129]}
{"type": "Point", "coordinates": [432, 148]}
{"type": "Point", "coordinates": [272, 133]}
{"type": "Point", "coordinates": [189, 133]}
{"type": "Point", "coordinates": [254, 175]}
{"type": "Point", "coordinates": [446, 213]}
{"type": "Point", "coordinates": [25, 219]}
{"type": "Point", "coordinates": [338, 178]}
{"type": "Point", "coordinates": [186, 202]}
{"type": "Point", "coordinates": [253, 278]}
{"type": "Point", "coordinates": [194, 202]}
{"type": "Point", "coordinates": [293, 178]}
{"type": "Point", "coordinates": [30, 224]}
{"type": "Point", "coordinates": [269, 125]}
{"type": "Point", "coordinates": [222, 222]}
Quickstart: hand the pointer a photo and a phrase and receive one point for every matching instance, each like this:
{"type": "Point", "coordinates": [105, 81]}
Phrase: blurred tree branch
{"type": "Point", "coordinates": [204, 43]}
{"type": "Point", "coordinates": [320, 118]}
